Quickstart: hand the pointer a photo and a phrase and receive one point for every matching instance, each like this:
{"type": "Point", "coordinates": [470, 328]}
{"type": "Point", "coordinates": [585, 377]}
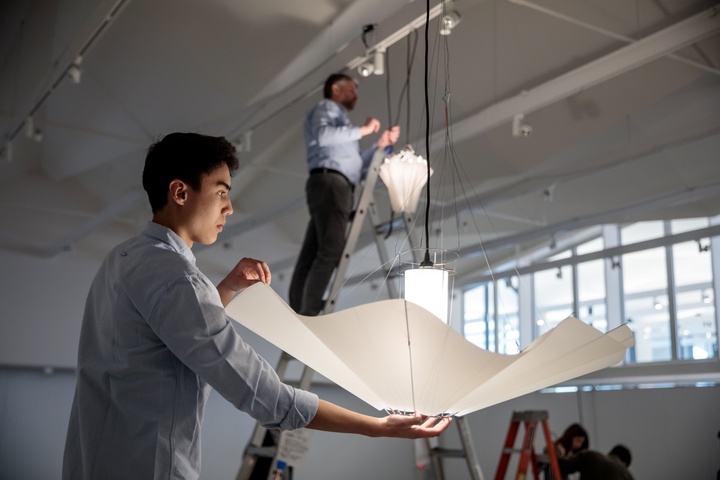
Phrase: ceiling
{"type": "Point", "coordinates": [623, 98]}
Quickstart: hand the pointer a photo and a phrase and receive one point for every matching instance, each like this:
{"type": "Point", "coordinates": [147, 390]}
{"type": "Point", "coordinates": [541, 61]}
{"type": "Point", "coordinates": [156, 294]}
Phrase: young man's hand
{"type": "Point", "coordinates": [248, 271]}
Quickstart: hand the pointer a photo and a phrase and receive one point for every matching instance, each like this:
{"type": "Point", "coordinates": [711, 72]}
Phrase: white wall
{"type": "Point", "coordinates": [672, 432]}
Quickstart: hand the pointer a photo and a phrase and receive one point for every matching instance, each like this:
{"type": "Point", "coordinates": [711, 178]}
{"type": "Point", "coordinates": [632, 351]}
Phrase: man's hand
{"type": "Point", "coordinates": [388, 137]}
{"type": "Point", "coordinates": [371, 125]}
{"type": "Point", "coordinates": [248, 271]}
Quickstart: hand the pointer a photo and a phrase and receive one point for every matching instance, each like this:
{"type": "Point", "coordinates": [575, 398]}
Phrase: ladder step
{"type": "Point", "coordinates": [512, 450]}
{"type": "Point", "coordinates": [447, 452]}
{"type": "Point", "coordinates": [269, 451]}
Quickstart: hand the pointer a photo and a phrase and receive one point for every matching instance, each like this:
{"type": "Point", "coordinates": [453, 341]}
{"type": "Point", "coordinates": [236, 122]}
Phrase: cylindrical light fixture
{"type": "Point", "coordinates": [430, 289]}
{"type": "Point", "coordinates": [429, 284]}
{"type": "Point", "coordinates": [379, 61]}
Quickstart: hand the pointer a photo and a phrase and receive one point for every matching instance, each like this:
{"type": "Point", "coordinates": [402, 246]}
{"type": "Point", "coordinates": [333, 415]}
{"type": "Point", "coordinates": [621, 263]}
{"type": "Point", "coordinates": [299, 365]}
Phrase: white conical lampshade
{"type": "Point", "coordinates": [404, 174]}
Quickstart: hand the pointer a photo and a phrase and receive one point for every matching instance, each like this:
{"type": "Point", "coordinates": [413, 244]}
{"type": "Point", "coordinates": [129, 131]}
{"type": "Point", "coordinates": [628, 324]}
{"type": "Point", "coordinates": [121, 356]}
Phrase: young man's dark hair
{"type": "Point", "coordinates": [186, 157]}
{"type": "Point", "coordinates": [332, 80]}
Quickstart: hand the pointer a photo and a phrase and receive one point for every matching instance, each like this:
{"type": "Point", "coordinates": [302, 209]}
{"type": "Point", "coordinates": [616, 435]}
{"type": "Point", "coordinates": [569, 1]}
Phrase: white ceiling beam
{"type": "Point", "coordinates": [331, 40]}
{"type": "Point", "coordinates": [675, 37]}
{"type": "Point", "coordinates": [608, 33]}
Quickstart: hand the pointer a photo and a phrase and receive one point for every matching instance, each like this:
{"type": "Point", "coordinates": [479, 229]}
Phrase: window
{"type": "Point", "coordinates": [591, 294]}
{"type": "Point", "coordinates": [694, 304]}
{"type": "Point", "coordinates": [478, 317]}
{"type": "Point", "coordinates": [553, 292]}
{"type": "Point", "coordinates": [508, 321]}
{"type": "Point", "coordinates": [666, 293]}
{"type": "Point", "coordinates": [483, 311]}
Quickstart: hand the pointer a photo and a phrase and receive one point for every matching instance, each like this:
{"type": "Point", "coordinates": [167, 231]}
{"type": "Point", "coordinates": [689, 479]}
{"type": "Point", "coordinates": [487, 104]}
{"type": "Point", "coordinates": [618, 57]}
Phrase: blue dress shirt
{"type": "Point", "coordinates": [155, 338]}
{"type": "Point", "coordinates": [332, 141]}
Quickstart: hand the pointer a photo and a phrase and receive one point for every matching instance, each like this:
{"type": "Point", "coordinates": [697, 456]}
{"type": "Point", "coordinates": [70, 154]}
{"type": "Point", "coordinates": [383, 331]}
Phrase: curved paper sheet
{"type": "Point", "coordinates": [395, 355]}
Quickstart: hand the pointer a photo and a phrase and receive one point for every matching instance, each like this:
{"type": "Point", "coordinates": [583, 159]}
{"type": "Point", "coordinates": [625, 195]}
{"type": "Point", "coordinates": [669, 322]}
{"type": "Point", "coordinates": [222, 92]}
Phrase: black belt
{"type": "Point", "coordinates": [323, 171]}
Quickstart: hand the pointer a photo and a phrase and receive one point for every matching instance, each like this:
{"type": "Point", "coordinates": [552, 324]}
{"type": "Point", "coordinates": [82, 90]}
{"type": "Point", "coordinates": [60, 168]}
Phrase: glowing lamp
{"type": "Point", "coordinates": [429, 288]}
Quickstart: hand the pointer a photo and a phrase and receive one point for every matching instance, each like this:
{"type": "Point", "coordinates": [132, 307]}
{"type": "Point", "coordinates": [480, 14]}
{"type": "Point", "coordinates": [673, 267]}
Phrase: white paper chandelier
{"type": "Point", "coordinates": [404, 174]}
{"type": "Point", "coordinates": [397, 356]}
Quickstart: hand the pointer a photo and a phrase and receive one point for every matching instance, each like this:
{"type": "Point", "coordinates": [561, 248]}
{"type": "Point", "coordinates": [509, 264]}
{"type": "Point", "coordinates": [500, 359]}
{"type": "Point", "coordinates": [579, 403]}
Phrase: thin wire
{"type": "Point", "coordinates": [387, 86]}
{"type": "Point", "coordinates": [405, 91]}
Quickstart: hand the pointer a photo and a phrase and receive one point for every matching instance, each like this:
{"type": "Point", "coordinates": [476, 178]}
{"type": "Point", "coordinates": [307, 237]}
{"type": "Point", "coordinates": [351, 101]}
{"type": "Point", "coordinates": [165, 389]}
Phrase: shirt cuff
{"type": "Point", "coordinates": [302, 411]}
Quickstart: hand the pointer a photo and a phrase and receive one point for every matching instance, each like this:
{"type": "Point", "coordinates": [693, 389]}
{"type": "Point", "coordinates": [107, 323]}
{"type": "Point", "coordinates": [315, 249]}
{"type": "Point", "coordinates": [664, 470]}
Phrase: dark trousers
{"type": "Point", "coordinates": [329, 198]}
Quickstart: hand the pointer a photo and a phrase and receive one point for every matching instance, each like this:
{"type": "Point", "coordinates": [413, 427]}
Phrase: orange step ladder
{"type": "Point", "coordinates": [527, 450]}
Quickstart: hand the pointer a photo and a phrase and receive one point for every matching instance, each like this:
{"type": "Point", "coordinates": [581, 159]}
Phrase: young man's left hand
{"type": "Point", "coordinates": [248, 271]}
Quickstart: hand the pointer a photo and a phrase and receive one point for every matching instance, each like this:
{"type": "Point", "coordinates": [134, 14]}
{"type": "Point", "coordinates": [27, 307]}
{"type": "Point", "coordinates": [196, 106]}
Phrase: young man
{"type": "Point", "coordinates": [155, 337]}
{"type": "Point", "coordinates": [336, 166]}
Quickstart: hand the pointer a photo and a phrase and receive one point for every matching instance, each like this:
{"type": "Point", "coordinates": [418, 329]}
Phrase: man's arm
{"type": "Point", "coordinates": [333, 418]}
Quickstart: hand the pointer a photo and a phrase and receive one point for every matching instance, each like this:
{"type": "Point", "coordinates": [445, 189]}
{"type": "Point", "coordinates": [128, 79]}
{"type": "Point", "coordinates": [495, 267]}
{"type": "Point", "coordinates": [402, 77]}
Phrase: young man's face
{"type": "Point", "coordinates": [208, 208]}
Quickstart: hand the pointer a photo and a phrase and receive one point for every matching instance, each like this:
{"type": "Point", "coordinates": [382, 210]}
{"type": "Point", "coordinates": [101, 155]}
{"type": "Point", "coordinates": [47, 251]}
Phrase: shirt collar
{"type": "Point", "coordinates": [170, 238]}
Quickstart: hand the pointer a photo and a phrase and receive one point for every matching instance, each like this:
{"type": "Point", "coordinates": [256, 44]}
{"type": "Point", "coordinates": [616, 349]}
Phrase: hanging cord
{"type": "Point", "coordinates": [387, 86]}
{"type": "Point", "coordinates": [367, 31]}
{"type": "Point", "coordinates": [426, 261]}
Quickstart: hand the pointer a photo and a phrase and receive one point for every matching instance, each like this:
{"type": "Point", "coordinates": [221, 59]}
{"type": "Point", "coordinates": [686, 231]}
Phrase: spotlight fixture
{"type": "Point", "coordinates": [520, 128]}
{"type": "Point", "coordinates": [366, 69]}
{"type": "Point", "coordinates": [75, 70]}
{"type": "Point", "coordinates": [374, 63]}
{"type": "Point", "coordinates": [31, 132]}
{"type": "Point", "coordinates": [450, 18]}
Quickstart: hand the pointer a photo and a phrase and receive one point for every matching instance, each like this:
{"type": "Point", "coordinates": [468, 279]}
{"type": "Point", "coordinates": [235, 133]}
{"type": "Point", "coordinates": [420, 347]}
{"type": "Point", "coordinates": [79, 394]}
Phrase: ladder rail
{"type": "Point", "coordinates": [365, 200]}
{"type": "Point", "coordinates": [528, 458]}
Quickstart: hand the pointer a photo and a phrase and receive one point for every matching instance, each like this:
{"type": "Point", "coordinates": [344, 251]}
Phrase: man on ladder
{"type": "Point", "coordinates": [336, 166]}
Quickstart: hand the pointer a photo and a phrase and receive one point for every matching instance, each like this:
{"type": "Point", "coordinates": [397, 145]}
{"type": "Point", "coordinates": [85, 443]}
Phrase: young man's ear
{"type": "Point", "coordinates": [178, 192]}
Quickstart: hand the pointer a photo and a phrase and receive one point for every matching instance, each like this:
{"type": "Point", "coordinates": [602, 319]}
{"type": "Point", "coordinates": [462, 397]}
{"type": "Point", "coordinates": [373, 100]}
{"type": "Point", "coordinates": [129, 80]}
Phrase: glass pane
{"type": "Point", "coordinates": [688, 224]}
{"type": "Point", "coordinates": [697, 334]}
{"type": "Point", "coordinates": [646, 305]}
{"type": "Point", "coordinates": [553, 297]}
{"type": "Point", "coordinates": [478, 321]}
{"type": "Point", "coordinates": [591, 294]}
{"type": "Point", "coordinates": [508, 319]}
{"type": "Point", "coordinates": [591, 246]}
{"type": "Point", "coordinates": [638, 232]}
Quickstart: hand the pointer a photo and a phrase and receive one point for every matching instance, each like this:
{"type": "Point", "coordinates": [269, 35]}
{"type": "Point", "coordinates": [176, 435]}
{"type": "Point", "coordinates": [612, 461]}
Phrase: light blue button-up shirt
{"type": "Point", "coordinates": [155, 338]}
{"type": "Point", "coordinates": [332, 141]}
